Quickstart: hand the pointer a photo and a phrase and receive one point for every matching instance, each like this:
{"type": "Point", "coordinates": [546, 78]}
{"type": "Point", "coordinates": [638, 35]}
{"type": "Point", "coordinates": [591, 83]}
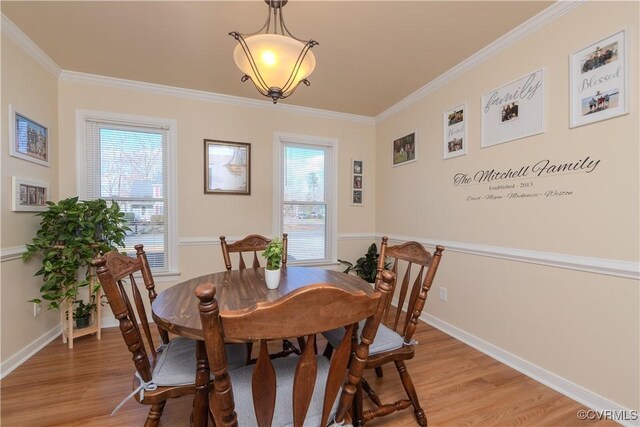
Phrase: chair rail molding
{"type": "Point", "coordinates": [11, 253]}
{"type": "Point", "coordinates": [609, 267]}
{"type": "Point", "coordinates": [215, 241]}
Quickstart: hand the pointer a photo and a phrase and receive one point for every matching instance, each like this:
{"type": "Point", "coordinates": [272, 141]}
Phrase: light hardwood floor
{"type": "Point", "coordinates": [457, 385]}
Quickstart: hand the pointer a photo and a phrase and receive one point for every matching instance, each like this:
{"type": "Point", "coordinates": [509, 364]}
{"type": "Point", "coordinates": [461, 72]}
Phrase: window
{"type": "Point", "coordinates": [129, 160]}
{"type": "Point", "coordinates": [305, 197]}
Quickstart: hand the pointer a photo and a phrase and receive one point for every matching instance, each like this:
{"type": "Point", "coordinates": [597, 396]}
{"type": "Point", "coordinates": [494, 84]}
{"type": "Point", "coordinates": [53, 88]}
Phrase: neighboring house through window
{"type": "Point", "coordinates": [305, 196]}
{"type": "Point", "coordinates": [131, 160]}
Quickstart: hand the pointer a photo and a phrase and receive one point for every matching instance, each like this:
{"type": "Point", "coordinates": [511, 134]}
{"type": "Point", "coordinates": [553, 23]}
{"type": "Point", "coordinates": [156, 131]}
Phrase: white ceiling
{"type": "Point", "coordinates": [372, 54]}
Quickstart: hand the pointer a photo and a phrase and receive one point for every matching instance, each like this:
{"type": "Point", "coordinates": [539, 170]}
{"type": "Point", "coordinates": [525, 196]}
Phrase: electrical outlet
{"type": "Point", "coordinates": [37, 309]}
{"type": "Point", "coordinates": [443, 294]}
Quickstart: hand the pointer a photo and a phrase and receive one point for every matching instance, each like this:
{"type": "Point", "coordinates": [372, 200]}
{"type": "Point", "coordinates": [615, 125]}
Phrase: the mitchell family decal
{"type": "Point", "coordinates": [523, 177]}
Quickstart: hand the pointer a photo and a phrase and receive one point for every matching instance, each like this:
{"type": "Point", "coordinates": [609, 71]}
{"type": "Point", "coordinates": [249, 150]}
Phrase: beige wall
{"type": "Point", "coordinates": [581, 326]}
{"type": "Point", "coordinates": [32, 91]}
{"type": "Point", "coordinates": [209, 216]}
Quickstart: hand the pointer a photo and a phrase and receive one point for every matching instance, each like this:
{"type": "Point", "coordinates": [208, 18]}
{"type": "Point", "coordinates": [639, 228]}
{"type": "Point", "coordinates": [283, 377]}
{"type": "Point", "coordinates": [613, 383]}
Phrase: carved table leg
{"type": "Point", "coordinates": [201, 399]}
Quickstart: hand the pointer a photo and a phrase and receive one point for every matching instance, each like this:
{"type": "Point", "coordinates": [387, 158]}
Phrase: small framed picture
{"type": "Point", "coordinates": [455, 131]}
{"type": "Point", "coordinates": [357, 167]}
{"type": "Point", "coordinates": [513, 111]}
{"type": "Point", "coordinates": [28, 139]}
{"type": "Point", "coordinates": [598, 79]}
{"type": "Point", "coordinates": [404, 150]}
{"type": "Point", "coordinates": [29, 196]}
{"type": "Point", "coordinates": [356, 197]}
{"type": "Point", "coordinates": [227, 167]}
{"type": "Point", "coordinates": [357, 182]}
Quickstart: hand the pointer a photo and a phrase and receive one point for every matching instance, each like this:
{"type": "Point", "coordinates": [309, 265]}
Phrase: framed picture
{"type": "Point", "coordinates": [227, 167]}
{"type": "Point", "coordinates": [28, 139]}
{"type": "Point", "coordinates": [454, 123]}
{"type": "Point", "coordinates": [357, 167]}
{"type": "Point", "coordinates": [404, 150]}
{"type": "Point", "coordinates": [598, 81]}
{"type": "Point", "coordinates": [29, 196]}
{"type": "Point", "coordinates": [513, 111]}
{"type": "Point", "coordinates": [357, 182]}
{"type": "Point", "coordinates": [356, 197]}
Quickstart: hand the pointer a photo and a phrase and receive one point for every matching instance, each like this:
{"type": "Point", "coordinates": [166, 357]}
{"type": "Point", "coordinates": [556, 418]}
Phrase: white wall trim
{"type": "Point", "coordinates": [11, 253]}
{"type": "Point", "coordinates": [549, 379]}
{"type": "Point", "coordinates": [23, 355]}
{"type": "Point", "coordinates": [550, 14]}
{"type": "Point", "coordinates": [12, 31]}
{"type": "Point", "coordinates": [609, 267]}
{"type": "Point", "coordinates": [215, 241]}
{"type": "Point", "coordinates": [199, 95]}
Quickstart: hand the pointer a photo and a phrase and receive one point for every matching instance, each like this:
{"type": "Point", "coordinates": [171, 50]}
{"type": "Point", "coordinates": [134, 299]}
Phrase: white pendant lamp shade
{"type": "Point", "coordinates": [275, 57]}
{"type": "Point", "coordinates": [276, 62]}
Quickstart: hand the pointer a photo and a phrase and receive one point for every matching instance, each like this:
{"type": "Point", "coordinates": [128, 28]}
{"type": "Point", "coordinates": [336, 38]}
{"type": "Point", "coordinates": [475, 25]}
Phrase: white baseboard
{"type": "Point", "coordinates": [23, 355]}
{"type": "Point", "coordinates": [551, 380]}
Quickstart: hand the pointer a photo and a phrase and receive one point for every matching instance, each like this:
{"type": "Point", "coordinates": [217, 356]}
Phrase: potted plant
{"type": "Point", "coordinates": [71, 234]}
{"type": "Point", "coordinates": [366, 267]}
{"type": "Point", "coordinates": [273, 255]}
{"type": "Point", "coordinates": [82, 312]}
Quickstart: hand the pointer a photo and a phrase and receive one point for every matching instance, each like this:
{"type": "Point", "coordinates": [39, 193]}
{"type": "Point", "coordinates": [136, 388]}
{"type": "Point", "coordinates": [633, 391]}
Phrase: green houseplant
{"type": "Point", "coordinates": [82, 312]}
{"type": "Point", "coordinates": [71, 234]}
{"type": "Point", "coordinates": [366, 266]}
{"type": "Point", "coordinates": [273, 255]}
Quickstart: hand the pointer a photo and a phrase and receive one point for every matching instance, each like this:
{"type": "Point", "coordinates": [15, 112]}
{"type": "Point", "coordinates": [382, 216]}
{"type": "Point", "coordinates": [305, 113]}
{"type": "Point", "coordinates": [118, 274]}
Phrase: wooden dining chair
{"type": "Point", "coordinates": [170, 370]}
{"type": "Point", "coordinates": [297, 390]}
{"type": "Point", "coordinates": [394, 341]}
{"type": "Point", "coordinates": [253, 243]}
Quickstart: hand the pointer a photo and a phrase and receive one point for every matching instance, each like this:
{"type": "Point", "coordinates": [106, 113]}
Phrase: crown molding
{"type": "Point", "coordinates": [199, 95]}
{"type": "Point", "coordinates": [550, 14]}
{"type": "Point", "coordinates": [12, 31]}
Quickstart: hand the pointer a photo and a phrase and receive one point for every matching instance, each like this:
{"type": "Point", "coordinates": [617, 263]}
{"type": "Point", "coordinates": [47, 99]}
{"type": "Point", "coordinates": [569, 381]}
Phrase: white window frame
{"type": "Point", "coordinates": [331, 192]}
{"type": "Point", "coordinates": [171, 170]}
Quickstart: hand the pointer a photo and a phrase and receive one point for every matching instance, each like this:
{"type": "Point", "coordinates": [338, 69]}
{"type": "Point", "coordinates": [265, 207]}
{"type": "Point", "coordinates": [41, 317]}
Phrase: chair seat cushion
{"type": "Point", "coordinates": [285, 368]}
{"type": "Point", "coordinates": [176, 363]}
{"type": "Point", "coordinates": [386, 339]}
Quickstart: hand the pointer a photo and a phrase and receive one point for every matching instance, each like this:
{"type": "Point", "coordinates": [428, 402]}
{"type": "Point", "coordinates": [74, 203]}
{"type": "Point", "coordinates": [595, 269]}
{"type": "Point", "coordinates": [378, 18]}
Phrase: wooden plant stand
{"type": "Point", "coordinates": [69, 331]}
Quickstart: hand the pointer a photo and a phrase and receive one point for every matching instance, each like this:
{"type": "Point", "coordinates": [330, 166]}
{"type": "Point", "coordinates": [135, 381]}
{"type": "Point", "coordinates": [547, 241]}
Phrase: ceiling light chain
{"type": "Point", "coordinates": [274, 54]}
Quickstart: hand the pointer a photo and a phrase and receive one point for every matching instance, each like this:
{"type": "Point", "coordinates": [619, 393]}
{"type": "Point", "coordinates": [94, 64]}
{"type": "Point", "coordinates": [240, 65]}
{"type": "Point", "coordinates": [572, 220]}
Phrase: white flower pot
{"type": "Point", "coordinates": [272, 278]}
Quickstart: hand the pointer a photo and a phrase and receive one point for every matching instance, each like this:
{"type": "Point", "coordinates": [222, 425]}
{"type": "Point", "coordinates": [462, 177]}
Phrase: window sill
{"type": "Point", "coordinates": [312, 263]}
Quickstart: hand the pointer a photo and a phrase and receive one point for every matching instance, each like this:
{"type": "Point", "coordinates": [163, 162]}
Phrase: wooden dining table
{"type": "Point", "coordinates": [176, 309]}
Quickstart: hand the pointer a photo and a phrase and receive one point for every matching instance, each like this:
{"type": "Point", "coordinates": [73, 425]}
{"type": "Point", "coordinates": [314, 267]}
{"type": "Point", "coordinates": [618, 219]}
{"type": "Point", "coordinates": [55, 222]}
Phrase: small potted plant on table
{"type": "Point", "coordinates": [273, 255]}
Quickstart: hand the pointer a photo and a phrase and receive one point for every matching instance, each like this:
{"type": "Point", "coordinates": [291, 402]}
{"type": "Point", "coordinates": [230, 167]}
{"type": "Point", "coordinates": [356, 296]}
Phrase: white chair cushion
{"type": "Point", "coordinates": [285, 368]}
{"type": "Point", "coordinates": [385, 340]}
{"type": "Point", "coordinates": [177, 362]}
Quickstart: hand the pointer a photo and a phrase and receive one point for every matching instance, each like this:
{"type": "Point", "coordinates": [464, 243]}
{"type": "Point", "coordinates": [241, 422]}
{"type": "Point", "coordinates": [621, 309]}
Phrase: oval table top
{"type": "Point", "coordinates": [176, 309]}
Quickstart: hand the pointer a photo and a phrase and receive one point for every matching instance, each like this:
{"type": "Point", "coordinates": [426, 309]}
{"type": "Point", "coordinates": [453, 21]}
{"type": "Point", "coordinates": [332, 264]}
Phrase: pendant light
{"type": "Point", "coordinates": [272, 58]}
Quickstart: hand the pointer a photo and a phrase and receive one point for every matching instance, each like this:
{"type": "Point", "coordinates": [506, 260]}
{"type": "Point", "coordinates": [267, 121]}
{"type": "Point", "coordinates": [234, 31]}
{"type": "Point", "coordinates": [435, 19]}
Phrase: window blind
{"type": "Point", "coordinates": [304, 196]}
{"type": "Point", "coordinates": [126, 163]}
